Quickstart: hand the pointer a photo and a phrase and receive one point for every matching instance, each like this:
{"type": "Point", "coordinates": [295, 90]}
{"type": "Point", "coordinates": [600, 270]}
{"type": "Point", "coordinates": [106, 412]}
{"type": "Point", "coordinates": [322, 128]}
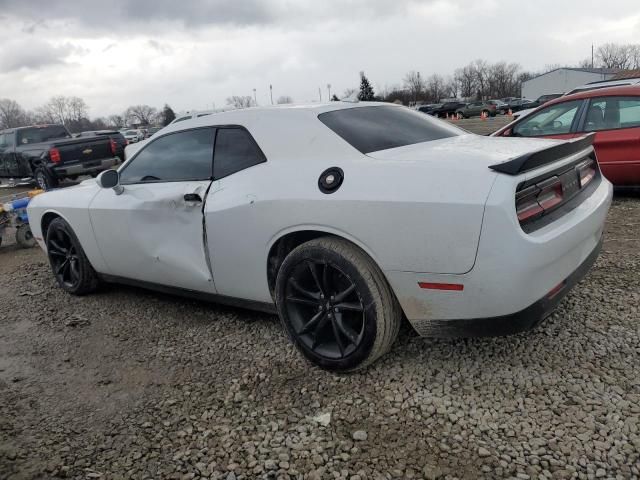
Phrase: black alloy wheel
{"type": "Point", "coordinates": [69, 264]}
{"type": "Point", "coordinates": [336, 305]}
{"type": "Point", "coordinates": [325, 309]}
{"type": "Point", "coordinates": [64, 258]}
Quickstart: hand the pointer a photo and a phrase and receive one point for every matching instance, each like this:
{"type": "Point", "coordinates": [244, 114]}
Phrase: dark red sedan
{"type": "Point", "coordinates": [612, 113]}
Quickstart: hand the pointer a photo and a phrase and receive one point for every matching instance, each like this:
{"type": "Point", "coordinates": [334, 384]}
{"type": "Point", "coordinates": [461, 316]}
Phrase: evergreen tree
{"type": "Point", "coordinates": [366, 90]}
{"type": "Point", "coordinates": [168, 115]}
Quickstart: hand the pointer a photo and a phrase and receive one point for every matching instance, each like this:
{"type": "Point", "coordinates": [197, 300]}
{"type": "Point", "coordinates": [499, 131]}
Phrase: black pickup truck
{"type": "Point", "coordinates": [48, 154]}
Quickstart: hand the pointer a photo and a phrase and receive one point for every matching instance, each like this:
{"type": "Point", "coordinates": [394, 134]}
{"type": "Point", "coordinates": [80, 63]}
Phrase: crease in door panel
{"type": "Point", "coordinates": [205, 242]}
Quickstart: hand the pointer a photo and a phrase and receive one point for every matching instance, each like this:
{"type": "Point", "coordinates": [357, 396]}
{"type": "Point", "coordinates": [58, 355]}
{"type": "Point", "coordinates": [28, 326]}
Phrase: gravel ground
{"type": "Point", "coordinates": [131, 384]}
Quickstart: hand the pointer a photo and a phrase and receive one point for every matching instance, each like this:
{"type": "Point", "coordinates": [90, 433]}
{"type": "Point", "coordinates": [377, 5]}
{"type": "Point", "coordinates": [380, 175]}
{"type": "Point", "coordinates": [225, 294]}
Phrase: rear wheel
{"type": "Point", "coordinates": [44, 179]}
{"type": "Point", "coordinates": [336, 305]}
{"type": "Point", "coordinates": [69, 264]}
{"type": "Point", "coordinates": [459, 115]}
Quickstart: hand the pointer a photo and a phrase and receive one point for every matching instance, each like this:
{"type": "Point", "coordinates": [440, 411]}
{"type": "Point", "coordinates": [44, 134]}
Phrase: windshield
{"type": "Point", "coordinates": [130, 132]}
{"type": "Point", "coordinates": [370, 129]}
{"type": "Point", "coordinates": [41, 134]}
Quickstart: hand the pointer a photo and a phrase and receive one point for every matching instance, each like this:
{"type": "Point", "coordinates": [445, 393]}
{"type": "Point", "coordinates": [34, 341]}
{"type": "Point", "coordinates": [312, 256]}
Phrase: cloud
{"type": "Point", "coordinates": [195, 53]}
{"type": "Point", "coordinates": [32, 54]}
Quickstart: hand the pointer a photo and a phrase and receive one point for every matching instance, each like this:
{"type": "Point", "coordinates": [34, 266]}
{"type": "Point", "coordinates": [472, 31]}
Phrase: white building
{"type": "Point", "coordinates": [562, 80]}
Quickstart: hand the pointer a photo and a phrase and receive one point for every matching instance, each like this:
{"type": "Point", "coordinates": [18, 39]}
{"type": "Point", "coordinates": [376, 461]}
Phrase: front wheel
{"type": "Point", "coordinates": [336, 305]}
{"type": "Point", "coordinates": [44, 179]}
{"type": "Point", "coordinates": [69, 264]}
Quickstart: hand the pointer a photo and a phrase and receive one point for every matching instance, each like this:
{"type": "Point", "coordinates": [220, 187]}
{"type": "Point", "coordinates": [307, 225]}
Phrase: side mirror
{"type": "Point", "coordinates": [110, 179]}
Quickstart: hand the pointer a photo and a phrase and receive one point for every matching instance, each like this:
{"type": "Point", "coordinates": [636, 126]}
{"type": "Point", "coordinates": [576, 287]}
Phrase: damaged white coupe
{"type": "Point", "coordinates": [342, 218]}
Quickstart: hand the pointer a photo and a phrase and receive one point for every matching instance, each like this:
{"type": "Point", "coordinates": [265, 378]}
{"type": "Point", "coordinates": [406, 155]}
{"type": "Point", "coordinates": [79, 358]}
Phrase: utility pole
{"type": "Point", "coordinates": [592, 55]}
{"type": "Point", "coordinates": [329, 90]}
{"type": "Point", "coordinates": [271, 93]}
{"type": "Point", "coordinates": [320, 93]}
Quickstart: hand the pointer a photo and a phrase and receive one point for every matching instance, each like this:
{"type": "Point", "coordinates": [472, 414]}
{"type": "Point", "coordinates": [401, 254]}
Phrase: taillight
{"type": "Point", "coordinates": [54, 155]}
{"type": "Point", "coordinates": [586, 172]}
{"type": "Point", "coordinates": [533, 201]}
{"type": "Point", "coordinates": [550, 193]}
{"type": "Point", "coordinates": [114, 146]}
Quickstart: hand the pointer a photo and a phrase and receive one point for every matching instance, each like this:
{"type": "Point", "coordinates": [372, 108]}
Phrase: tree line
{"type": "Point", "coordinates": [477, 80]}
{"type": "Point", "coordinates": [73, 113]}
{"type": "Point", "coordinates": [483, 80]}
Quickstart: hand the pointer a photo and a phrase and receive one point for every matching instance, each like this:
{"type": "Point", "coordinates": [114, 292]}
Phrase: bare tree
{"type": "Point", "coordinates": [466, 79]}
{"type": "Point", "coordinates": [435, 87]}
{"type": "Point", "coordinates": [451, 87]}
{"type": "Point", "coordinates": [284, 99]}
{"type": "Point", "coordinates": [350, 92]}
{"type": "Point", "coordinates": [481, 72]}
{"type": "Point", "coordinates": [64, 110]}
{"type": "Point", "coordinates": [115, 121]}
{"type": "Point", "coordinates": [245, 101]}
{"type": "Point", "coordinates": [11, 114]}
{"type": "Point", "coordinates": [503, 80]}
{"type": "Point", "coordinates": [140, 114]}
{"type": "Point", "coordinates": [414, 83]}
{"type": "Point", "coordinates": [612, 55]}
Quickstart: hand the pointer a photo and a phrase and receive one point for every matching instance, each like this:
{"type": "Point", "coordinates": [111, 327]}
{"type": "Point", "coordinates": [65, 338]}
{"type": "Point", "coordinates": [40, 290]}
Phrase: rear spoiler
{"type": "Point", "coordinates": [536, 159]}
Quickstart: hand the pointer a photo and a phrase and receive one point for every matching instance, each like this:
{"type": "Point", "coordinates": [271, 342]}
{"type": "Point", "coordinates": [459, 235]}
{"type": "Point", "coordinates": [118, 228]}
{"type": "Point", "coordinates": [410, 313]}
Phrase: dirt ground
{"type": "Point", "coordinates": [132, 384]}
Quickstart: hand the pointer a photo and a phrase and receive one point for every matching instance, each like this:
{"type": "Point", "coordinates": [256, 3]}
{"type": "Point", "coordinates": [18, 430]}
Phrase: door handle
{"type": "Point", "coordinates": [192, 197]}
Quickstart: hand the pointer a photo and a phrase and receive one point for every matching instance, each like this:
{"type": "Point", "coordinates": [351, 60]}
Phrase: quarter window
{"type": "Point", "coordinates": [235, 150]}
{"type": "Point", "coordinates": [553, 120]}
{"type": "Point", "coordinates": [371, 129]}
{"type": "Point", "coordinates": [180, 156]}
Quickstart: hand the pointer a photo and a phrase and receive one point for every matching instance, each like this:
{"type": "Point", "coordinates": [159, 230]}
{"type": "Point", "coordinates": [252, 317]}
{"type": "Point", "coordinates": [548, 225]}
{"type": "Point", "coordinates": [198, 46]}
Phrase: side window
{"type": "Point", "coordinates": [596, 113]}
{"type": "Point", "coordinates": [235, 150]}
{"type": "Point", "coordinates": [180, 156]}
{"type": "Point", "coordinates": [612, 113]}
{"type": "Point", "coordinates": [553, 120]}
{"type": "Point", "coordinates": [3, 140]}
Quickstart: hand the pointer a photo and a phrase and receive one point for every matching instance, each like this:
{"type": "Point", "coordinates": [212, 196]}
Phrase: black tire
{"type": "Point", "coordinates": [24, 237]}
{"type": "Point", "coordinates": [69, 264]}
{"type": "Point", "coordinates": [44, 179]}
{"type": "Point", "coordinates": [336, 305]}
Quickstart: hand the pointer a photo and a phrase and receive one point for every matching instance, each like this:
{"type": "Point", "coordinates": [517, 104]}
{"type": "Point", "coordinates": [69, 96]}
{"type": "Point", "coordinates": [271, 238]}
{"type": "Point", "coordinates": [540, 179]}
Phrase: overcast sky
{"type": "Point", "coordinates": [192, 53]}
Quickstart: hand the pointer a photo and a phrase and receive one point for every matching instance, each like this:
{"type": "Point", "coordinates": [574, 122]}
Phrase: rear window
{"type": "Point", "coordinates": [370, 129]}
{"type": "Point", "coordinates": [41, 134]}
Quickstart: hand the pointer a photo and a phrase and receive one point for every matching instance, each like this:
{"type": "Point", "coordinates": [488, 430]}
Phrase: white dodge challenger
{"type": "Point", "coordinates": [343, 218]}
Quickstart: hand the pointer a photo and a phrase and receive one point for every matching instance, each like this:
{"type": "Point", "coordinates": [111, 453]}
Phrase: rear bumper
{"type": "Point", "coordinates": [521, 321]}
{"type": "Point", "coordinates": [508, 289]}
{"type": "Point", "coordinates": [87, 168]}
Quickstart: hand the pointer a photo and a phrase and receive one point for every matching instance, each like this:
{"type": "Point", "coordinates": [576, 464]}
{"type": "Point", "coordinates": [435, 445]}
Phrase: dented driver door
{"type": "Point", "coordinates": [152, 230]}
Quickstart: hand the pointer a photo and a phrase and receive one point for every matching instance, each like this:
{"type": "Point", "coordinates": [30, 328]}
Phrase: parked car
{"type": "Point", "coordinates": [115, 135]}
{"type": "Point", "coordinates": [501, 107]}
{"type": "Point", "coordinates": [520, 104]}
{"type": "Point", "coordinates": [475, 109]}
{"type": "Point", "coordinates": [286, 219]}
{"type": "Point", "coordinates": [132, 136]}
{"type": "Point", "coordinates": [49, 153]}
{"type": "Point", "coordinates": [153, 130]}
{"type": "Point", "coordinates": [613, 114]}
{"type": "Point", "coordinates": [447, 109]}
{"type": "Point", "coordinates": [542, 99]}
{"type": "Point", "coordinates": [604, 84]}
{"type": "Point", "coordinates": [429, 109]}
